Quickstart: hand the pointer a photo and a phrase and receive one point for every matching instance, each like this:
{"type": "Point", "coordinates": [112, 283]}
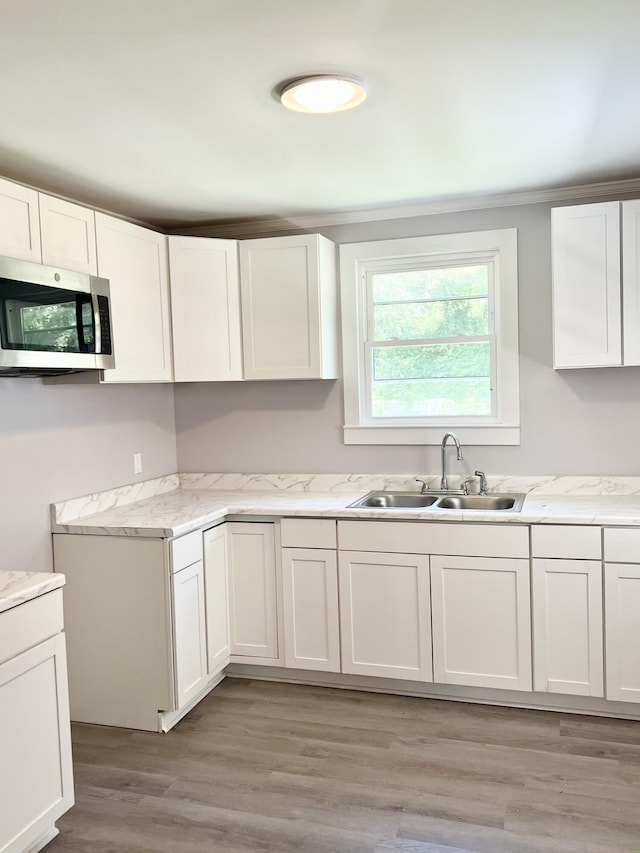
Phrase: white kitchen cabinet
{"type": "Point", "coordinates": [385, 615]}
{"type": "Point", "coordinates": [631, 281]}
{"type": "Point", "coordinates": [587, 330]}
{"type": "Point", "coordinates": [310, 609]}
{"type": "Point", "coordinates": [567, 626]}
{"type": "Point", "coordinates": [136, 616]}
{"type": "Point", "coordinates": [68, 235]}
{"type": "Point", "coordinates": [596, 284]}
{"type": "Point", "coordinates": [481, 621]}
{"type": "Point", "coordinates": [205, 309]}
{"type": "Point", "coordinates": [135, 260]}
{"type": "Point", "coordinates": [36, 775]}
{"type": "Point", "coordinates": [19, 222]}
{"type": "Point", "coordinates": [622, 609]}
{"type": "Point", "coordinates": [189, 632]}
{"type": "Point", "coordinates": [289, 319]}
{"type": "Point", "coordinates": [253, 592]}
{"type": "Point", "coordinates": [216, 598]}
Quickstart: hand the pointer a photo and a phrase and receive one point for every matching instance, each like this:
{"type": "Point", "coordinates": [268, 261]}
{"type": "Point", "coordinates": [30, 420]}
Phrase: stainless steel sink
{"type": "Point", "coordinates": [417, 500]}
{"type": "Point", "coordinates": [395, 500]}
{"type": "Point", "coordinates": [488, 503]}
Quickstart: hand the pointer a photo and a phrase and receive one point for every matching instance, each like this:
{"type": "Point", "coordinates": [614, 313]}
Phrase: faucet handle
{"type": "Point", "coordinates": [424, 485]}
{"type": "Point", "coordinates": [465, 484]}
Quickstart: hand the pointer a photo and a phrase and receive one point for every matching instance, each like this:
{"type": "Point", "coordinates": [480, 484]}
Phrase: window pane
{"type": "Point", "coordinates": [443, 283]}
{"type": "Point", "coordinates": [434, 380]}
{"type": "Point", "coordinates": [407, 321]}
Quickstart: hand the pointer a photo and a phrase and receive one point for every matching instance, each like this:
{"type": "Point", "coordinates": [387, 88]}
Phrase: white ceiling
{"type": "Point", "coordinates": [163, 110]}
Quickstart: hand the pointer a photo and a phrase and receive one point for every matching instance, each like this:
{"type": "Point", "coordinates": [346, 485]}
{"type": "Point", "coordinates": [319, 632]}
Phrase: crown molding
{"type": "Point", "coordinates": [258, 227]}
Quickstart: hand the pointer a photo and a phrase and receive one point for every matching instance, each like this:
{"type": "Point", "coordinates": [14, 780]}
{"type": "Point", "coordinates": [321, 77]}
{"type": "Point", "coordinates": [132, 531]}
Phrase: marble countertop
{"type": "Point", "coordinates": [181, 510]}
{"type": "Point", "coordinates": [19, 587]}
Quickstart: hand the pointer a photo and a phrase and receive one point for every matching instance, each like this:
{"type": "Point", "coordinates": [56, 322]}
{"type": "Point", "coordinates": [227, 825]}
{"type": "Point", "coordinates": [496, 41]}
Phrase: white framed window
{"type": "Point", "coordinates": [430, 339]}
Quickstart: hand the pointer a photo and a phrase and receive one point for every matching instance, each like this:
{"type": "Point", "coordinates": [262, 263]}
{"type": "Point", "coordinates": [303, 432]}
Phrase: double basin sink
{"type": "Point", "coordinates": [418, 500]}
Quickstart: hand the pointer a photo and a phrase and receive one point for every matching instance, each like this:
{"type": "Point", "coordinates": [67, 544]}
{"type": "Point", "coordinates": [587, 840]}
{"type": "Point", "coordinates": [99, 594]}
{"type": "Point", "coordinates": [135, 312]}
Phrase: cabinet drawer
{"type": "Point", "coordinates": [186, 550]}
{"type": "Point", "coordinates": [621, 545]}
{"type": "Point", "coordinates": [308, 533]}
{"type": "Point", "coordinates": [472, 540]}
{"type": "Point", "coordinates": [564, 541]}
{"type": "Point", "coordinates": [28, 624]}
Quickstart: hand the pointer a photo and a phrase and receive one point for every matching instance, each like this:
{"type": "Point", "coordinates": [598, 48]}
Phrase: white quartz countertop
{"type": "Point", "coordinates": [19, 587]}
{"type": "Point", "coordinates": [182, 510]}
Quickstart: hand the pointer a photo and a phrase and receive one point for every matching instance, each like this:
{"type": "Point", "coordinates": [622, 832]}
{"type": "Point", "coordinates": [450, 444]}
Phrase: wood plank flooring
{"type": "Point", "coordinates": [259, 766]}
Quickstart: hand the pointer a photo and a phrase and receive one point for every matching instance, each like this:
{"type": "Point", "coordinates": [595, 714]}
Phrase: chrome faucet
{"type": "Point", "coordinates": [443, 451]}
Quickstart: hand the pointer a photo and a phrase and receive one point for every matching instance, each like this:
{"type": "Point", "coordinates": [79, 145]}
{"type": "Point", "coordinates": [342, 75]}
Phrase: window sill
{"type": "Point", "coordinates": [468, 435]}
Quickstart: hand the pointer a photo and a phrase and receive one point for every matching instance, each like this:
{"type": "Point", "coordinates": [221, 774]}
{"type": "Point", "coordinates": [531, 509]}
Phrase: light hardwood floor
{"type": "Point", "coordinates": [259, 766]}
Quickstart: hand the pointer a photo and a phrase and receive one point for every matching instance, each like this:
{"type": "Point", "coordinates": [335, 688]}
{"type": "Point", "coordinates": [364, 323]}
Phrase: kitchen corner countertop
{"type": "Point", "coordinates": [182, 510]}
{"type": "Point", "coordinates": [19, 587]}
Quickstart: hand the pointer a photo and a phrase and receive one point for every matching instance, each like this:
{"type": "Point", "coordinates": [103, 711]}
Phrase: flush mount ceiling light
{"type": "Point", "coordinates": [322, 93]}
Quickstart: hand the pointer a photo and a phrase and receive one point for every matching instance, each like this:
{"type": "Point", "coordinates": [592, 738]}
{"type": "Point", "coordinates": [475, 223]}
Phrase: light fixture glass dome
{"type": "Point", "coordinates": [322, 93]}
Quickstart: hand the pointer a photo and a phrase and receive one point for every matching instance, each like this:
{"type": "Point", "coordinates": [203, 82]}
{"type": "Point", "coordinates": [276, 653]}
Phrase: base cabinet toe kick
{"type": "Point", "coordinates": [534, 615]}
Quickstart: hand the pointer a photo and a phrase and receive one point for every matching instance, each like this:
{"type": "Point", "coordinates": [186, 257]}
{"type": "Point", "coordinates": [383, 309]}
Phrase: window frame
{"type": "Point", "coordinates": [357, 261]}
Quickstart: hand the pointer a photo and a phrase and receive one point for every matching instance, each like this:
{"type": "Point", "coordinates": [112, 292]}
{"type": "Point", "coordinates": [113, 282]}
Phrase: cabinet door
{"type": "Point", "coordinates": [189, 632]}
{"type": "Point", "coordinates": [481, 622]}
{"type": "Point", "coordinates": [385, 615]}
{"type": "Point", "coordinates": [289, 323]}
{"type": "Point", "coordinates": [205, 309]}
{"type": "Point", "coordinates": [631, 281]}
{"type": "Point", "coordinates": [216, 598]}
{"type": "Point", "coordinates": [310, 609]}
{"type": "Point", "coordinates": [68, 235]}
{"type": "Point", "coordinates": [253, 615]}
{"type": "Point", "coordinates": [36, 777]}
{"type": "Point", "coordinates": [622, 609]}
{"type": "Point", "coordinates": [19, 222]}
{"type": "Point", "coordinates": [135, 261]}
{"type": "Point", "coordinates": [587, 321]}
{"type": "Point", "coordinates": [567, 627]}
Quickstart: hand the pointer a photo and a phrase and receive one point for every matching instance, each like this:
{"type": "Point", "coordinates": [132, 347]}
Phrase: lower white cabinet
{"type": "Point", "coordinates": [216, 598]}
{"type": "Point", "coordinates": [622, 613]}
{"type": "Point", "coordinates": [189, 632]}
{"type": "Point", "coordinates": [385, 615]}
{"type": "Point", "coordinates": [136, 628]}
{"type": "Point", "coordinates": [567, 626]}
{"type": "Point", "coordinates": [36, 776]}
{"type": "Point", "coordinates": [253, 591]}
{"type": "Point", "coordinates": [310, 609]}
{"type": "Point", "coordinates": [481, 622]}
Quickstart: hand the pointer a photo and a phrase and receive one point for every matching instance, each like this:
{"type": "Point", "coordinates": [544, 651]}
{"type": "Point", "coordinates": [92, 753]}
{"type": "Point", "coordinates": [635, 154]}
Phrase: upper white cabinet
{"type": "Point", "coordinates": [289, 324]}
{"type": "Point", "coordinates": [19, 222]}
{"type": "Point", "coordinates": [591, 286]}
{"type": "Point", "coordinates": [68, 235]}
{"type": "Point", "coordinates": [205, 309]}
{"type": "Point", "coordinates": [631, 281]}
{"type": "Point", "coordinates": [38, 227]}
{"type": "Point", "coordinates": [135, 260]}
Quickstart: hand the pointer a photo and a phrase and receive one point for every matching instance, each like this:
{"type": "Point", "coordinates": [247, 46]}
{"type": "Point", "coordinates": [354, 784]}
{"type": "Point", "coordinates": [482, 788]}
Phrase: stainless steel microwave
{"type": "Point", "coordinates": [52, 321]}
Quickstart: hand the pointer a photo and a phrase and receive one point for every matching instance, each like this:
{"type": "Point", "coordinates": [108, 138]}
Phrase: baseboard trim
{"type": "Point", "coordinates": [587, 705]}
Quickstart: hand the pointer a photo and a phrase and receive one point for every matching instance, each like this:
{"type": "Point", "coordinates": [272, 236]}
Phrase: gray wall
{"type": "Point", "coordinates": [573, 422]}
{"type": "Point", "coordinates": [64, 441]}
